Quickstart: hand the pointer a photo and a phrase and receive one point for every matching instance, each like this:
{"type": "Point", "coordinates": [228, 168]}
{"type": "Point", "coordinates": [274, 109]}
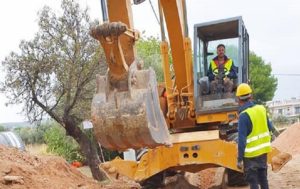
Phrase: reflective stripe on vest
{"type": "Point", "coordinates": [258, 141]}
{"type": "Point", "coordinates": [261, 146]}
{"type": "Point", "coordinates": [266, 134]}
{"type": "Point", "coordinates": [227, 65]}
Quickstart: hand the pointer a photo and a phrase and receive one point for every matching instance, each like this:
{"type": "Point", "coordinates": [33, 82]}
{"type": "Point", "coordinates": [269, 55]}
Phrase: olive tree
{"type": "Point", "coordinates": [54, 74]}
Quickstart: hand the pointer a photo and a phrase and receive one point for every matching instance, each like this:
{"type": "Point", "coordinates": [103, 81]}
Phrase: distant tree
{"type": "Point", "coordinates": [263, 83]}
{"type": "Point", "coordinates": [2, 128]}
{"type": "Point", "coordinates": [148, 50]}
{"type": "Point", "coordinates": [33, 135]}
{"type": "Point", "coordinates": [55, 73]}
{"type": "Point", "coordinates": [280, 120]}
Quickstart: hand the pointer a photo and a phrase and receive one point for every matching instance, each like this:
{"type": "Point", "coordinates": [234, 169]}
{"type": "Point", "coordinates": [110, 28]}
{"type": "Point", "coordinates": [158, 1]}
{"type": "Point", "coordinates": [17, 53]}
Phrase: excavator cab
{"type": "Point", "coordinates": [232, 33]}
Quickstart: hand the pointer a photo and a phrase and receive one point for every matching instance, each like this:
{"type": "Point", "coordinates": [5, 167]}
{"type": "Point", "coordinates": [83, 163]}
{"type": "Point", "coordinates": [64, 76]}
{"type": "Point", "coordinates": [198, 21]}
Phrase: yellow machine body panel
{"type": "Point", "coordinates": [220, 117]}
{"type": "Point", "coordinates": [187, 154]}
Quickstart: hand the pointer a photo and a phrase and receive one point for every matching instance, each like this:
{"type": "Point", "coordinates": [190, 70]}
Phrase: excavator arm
{"type": "Point", "coordinates": [179, 92]}
{"type": "Point", "coordinates": [125, 109]}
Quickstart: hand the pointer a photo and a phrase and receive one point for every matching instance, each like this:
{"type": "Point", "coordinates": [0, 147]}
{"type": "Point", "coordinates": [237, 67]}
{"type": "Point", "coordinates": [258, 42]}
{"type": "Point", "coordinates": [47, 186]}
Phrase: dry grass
{"type": "Point", "coordinates": [37, 149]}
{"type": "Point", "coordinates": [86, 171]}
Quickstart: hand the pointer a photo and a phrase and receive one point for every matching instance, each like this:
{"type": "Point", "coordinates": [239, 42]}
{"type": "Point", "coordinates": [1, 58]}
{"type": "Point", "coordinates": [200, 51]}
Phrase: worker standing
{"type": "Point", "coordinates": [254, 140]}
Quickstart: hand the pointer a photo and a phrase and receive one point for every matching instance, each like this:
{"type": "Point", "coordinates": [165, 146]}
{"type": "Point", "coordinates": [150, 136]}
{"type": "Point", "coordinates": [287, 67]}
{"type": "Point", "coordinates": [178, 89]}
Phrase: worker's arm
{"type": "Point", "coordinates": [270, 125]}
{"type": "Point", "coordinates": [210, 73]}
{"type": "Point", "coordinates": [233, 72]}
{"type": "Point", "coordinates": [272, 128]}
{"type": "Point", "coordinates": [244, 128]}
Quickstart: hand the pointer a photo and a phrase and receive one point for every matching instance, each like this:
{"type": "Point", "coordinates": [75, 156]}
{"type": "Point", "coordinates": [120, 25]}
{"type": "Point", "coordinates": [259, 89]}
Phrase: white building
{"type": "Point", "coordinates": [287, 108]}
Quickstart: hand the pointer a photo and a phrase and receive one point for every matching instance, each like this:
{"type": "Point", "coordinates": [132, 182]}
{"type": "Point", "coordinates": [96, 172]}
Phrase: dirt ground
{"type": "Point", "coordinates": [289, 175]}
{"type": "Point", "coordinates": [20, 170]}
{"type": "Point", "coordinates": [23, 170]}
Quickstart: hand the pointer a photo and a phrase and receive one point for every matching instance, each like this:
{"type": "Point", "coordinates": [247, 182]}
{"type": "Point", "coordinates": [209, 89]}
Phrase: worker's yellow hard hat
{"type": "Point", "coordinates": [243, 90]}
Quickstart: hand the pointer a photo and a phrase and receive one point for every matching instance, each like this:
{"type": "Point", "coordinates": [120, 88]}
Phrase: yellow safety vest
{"type": "Point", "coordinates": [259, 140]}
{"type": "Point", "coordinates": [227, 65]}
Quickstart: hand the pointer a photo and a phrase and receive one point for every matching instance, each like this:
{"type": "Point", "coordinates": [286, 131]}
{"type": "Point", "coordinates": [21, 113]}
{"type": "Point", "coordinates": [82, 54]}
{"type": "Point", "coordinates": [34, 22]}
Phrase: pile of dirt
{"type": "Point", "coordinates": [22, 170]}
{"type": "Point", "coordinates": [289, 140]}
{"type": "Point", "coordinates": [288, 176]}
{"type": "Point", "coordinates": [19, 169]}
{"type": "Point", "coordinates": [202, 179]}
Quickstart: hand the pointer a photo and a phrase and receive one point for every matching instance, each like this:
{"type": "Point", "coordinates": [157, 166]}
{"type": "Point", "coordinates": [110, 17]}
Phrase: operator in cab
{"type": "Point", "coordinates": [221, 70]}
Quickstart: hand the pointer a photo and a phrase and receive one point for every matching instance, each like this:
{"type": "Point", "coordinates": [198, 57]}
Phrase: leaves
{"type": "Point", "coordinates": [59, 143]}
{"type": "Point", "coordinates": [55, 72]}
{"type": "Point", "coordinates": [148, 50]}
{"type": "Point", "coordinates": [263, 83]}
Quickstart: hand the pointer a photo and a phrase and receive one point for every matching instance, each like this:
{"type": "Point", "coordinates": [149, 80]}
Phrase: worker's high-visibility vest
{"type": "Point", "coordinates": [259, 140]}
{"type": "Point", "coordinates": [227, 66]}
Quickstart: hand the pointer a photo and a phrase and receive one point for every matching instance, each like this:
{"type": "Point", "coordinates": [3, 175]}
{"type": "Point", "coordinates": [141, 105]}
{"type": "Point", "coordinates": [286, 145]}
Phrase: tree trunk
{"type": "Point", "coordinates": [87, 147]}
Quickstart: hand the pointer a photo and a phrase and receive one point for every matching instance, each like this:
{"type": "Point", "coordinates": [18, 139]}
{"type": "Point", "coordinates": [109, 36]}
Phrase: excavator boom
{"type": "Point", "coordinates": [125, 109]}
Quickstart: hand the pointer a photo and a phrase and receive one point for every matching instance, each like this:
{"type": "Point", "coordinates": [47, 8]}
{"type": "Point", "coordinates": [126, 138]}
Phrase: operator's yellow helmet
{"type": "Point", "coordinates": [243, 91]}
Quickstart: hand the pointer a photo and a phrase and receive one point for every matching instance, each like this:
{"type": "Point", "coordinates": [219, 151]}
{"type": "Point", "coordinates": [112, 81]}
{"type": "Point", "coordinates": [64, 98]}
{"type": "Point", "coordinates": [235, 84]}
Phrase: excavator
{"type": "Point", "coordinates": [177, 126]}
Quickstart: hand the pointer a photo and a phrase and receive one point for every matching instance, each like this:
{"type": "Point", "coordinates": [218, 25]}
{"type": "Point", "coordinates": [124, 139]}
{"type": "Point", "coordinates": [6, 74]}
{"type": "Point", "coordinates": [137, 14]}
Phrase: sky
{"type": "Point", "coordinates": [273, 27]}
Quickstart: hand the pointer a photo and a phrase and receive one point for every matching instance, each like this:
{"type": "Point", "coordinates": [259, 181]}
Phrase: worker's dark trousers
{"type": "Point", "coordinates": [256, 172]}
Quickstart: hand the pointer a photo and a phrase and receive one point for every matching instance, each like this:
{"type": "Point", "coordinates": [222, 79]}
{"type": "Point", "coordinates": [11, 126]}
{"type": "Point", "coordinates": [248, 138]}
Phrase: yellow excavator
{"type": "Point", "coordinates": [179, 125]}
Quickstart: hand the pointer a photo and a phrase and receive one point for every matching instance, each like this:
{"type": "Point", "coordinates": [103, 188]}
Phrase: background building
{"type": "Point", "coordinates": [287, 108]}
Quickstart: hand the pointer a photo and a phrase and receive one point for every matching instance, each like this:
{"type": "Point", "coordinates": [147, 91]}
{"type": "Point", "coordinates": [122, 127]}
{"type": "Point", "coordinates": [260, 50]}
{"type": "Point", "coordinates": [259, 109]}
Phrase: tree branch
{"type": "Point", "coordinates": [39, 103]}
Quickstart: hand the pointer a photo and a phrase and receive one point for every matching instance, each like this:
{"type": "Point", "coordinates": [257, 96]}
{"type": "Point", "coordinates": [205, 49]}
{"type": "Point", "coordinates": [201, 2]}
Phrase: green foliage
{"type": "Point", "coordinates": [110, 155]}
{"type": "Point", "coordinates": [54, 73]}
{"type": "Point", "coordinates": [263, 83]}
{"type": "Point", "coordinates": [280, 120]}
{"type": "Point", "coordinates": [32, 135]}
{"type": "Point", "coordinates": [148, 50]}
{"type": "Point", "coordinates": [2, 128]}
{"type": "Point", "coordinates": [61, 144]}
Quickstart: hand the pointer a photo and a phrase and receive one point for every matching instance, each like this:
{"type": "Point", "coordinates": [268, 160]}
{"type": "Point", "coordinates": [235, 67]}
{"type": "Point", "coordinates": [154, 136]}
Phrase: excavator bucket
{"type": "Point", "coordinates": [129, 118]}
{"type": "Point", "coordinates": [279, 160]}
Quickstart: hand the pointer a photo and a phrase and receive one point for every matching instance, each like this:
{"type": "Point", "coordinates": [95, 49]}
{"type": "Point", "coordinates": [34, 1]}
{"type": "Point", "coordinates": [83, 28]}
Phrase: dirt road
{"type": "Point", "coordinates": [288, 177]}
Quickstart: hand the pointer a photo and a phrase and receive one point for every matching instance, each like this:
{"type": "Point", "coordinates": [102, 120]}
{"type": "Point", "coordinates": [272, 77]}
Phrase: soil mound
{"type": "Point", "coordinates": [22, 170]}
{"type": "Point", "coordinates": [289, 140]}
